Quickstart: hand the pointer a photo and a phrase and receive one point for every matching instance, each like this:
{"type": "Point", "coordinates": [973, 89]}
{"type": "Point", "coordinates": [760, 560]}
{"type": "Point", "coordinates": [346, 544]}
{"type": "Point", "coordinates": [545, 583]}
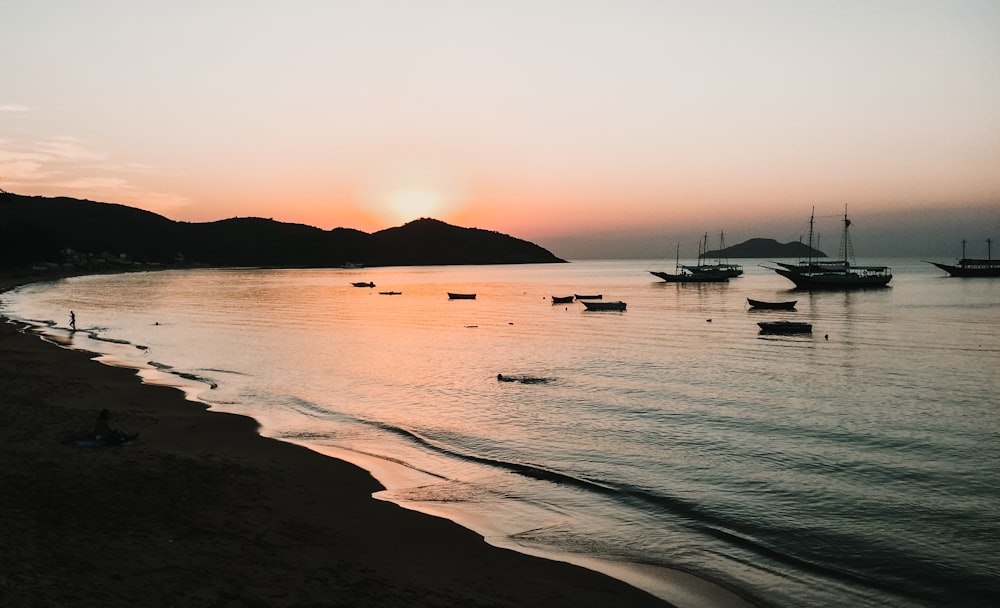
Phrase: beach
{"type": "Point", "coordinates": [201, 510]}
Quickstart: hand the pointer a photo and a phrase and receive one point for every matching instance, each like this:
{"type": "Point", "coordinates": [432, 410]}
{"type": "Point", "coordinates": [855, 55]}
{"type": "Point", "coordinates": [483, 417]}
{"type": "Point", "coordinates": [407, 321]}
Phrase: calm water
{"type": "Point", "coordinates": [853, 467]}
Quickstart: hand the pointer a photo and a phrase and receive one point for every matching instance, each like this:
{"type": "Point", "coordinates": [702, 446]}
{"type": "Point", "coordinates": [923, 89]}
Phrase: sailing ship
{"type": "Point", "coordinates": [840, 274]}
{"type": "Point", "coordinates": [685, 274]}
{"type": "Point", "coordinates": [973, 267]}
{"type": "Point", "coordinates": [721, 265]}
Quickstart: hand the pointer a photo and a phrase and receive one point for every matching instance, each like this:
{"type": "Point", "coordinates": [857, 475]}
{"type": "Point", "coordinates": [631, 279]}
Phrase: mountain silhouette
{"type": "Point", "coordinates": [42, 230]}
{"type": "Point", "coordinates": [766, 248]}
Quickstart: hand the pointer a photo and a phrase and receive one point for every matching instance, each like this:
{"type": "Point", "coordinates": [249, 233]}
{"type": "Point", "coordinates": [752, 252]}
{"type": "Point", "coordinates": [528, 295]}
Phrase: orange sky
{"type": "Point", "coordinates": [541, 120]}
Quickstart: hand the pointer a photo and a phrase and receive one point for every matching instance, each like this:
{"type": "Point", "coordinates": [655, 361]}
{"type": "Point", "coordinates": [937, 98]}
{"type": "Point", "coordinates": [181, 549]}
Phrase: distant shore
{"type": "Point", "coordinates": [203, 511]}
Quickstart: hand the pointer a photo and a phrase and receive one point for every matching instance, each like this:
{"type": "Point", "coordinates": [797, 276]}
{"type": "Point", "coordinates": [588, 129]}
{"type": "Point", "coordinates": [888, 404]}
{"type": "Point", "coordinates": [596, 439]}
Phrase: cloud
{"type": "Point", "coordinates": [68, 149]}
{"type": "Point", "coordinates": [13, 107]}
{"type": "Point", "coordinates": [66, 166]}
{"type": "Point", "coordinates": [19, 171]}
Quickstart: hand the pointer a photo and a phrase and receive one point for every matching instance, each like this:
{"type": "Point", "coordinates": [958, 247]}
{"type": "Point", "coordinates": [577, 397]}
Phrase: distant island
{"type": "Point", "coordinates": [765, 248]}
{"type": "Point", "coordinates": [41, 232]}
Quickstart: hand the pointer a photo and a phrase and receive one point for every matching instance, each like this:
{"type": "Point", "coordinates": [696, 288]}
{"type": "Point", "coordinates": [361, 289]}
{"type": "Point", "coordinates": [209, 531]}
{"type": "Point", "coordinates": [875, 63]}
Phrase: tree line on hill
{"type": "Point", "coordinates": [37, 230]}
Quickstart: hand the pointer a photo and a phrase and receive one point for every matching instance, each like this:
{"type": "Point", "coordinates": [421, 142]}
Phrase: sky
{"type": "Point", "coordinates": [595, 128]}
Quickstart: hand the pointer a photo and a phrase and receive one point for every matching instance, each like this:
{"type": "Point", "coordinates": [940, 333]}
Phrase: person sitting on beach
{"type": "Point", "coordinates": [106, 435]}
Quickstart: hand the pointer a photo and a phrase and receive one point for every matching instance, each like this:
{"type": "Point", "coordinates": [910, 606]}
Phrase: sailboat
{"type": "Point", "coordinates": [840, 274]}
{"type": "Point", "coordinates": [720, 266]}
{"type": "Point", "coordinates": [686, 275]}
{"type": "Point", "coordinates": [972, 267]}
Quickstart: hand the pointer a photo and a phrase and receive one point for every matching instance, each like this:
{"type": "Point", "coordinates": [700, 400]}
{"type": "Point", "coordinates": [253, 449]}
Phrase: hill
{"type": "Point", "coordinates": [766, 248]}
{"type": "Point", "coordinates": [38, 230]}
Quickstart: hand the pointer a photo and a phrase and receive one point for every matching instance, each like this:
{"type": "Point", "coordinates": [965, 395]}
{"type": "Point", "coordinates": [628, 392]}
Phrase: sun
{"type": "Point", "coordinates": [407, 204]}
{"type": "Point", "coordinates": [404, 195]}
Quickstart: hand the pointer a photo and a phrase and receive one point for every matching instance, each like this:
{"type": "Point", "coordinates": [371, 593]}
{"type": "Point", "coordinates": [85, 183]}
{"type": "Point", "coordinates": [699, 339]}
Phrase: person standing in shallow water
{"type": "Point", "coordinates": [72, 320]}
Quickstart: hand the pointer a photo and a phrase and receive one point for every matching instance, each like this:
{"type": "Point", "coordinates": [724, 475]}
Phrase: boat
{"type": "Point", "coordinates": [762, 305]}
{"type": "Point", "coordinates": [363, 284]}
{"type": "Point", "coordinates": [973, 267]}
{"type": "Point", "coordinates": [591, 297]}
{"type": "Point", "coordinates": [619, 306]}
{"type": "Point", "coordinates": [689, 277]}
{"type": "Point", "coordinates": [461, 296]}
{"type": "Point", "coordinates": [685, 274]}
{"type": "Point", "coordinates": [840, 274]}
{"type": "Point", "coordinates": [721, 267]}
{"type": "Point", "coordinates": [390, 293]}
{"type": "Point", "coordinates": [562, 299]}
{"type": "Point", "coordinates": [785, 327]}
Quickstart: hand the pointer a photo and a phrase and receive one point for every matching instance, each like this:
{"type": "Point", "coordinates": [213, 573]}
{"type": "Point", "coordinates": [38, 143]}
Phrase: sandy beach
{"type": "Point", "coordinates": [203, 511]}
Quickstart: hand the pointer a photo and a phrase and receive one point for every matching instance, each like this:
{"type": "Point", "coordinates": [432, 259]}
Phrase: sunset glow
{"type": "Point", "coordinates": [551, 122]}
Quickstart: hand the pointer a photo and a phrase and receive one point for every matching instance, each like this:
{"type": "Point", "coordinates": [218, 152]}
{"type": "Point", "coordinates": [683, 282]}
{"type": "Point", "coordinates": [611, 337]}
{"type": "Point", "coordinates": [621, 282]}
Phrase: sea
{"type": "Point", "coordinates": [672, 445]}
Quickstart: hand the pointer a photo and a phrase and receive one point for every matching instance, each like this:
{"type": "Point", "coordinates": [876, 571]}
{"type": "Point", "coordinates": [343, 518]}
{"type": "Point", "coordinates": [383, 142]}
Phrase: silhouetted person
{"type": "Point", "coordinates": [72, 320]}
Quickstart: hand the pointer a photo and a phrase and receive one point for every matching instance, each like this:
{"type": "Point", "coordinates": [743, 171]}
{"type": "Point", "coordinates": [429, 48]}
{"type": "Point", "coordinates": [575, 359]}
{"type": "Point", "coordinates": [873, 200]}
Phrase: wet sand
{"type": "Point", "coordinates": [203, 511]}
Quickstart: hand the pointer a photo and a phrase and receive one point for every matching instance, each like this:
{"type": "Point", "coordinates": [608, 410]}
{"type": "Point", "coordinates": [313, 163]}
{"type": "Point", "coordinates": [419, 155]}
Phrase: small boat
{"type": "Point", "coordinates": [461, 296]}
{"type": "Point", "coordinates": [363, 284]}
{"type": "Point", "coordinates": [390, 293]}
{"type": "Point", "coordinates": [840, 274]}
{"type": "Point", "coordinates": [972, 267]}
{"type": "Point", "coordinates": [619, 306]}
{"type": "Point", "coordinates": [592, 297]}
{"type": "Point", "coordinates": [562, 299]}
{"type": "Point", "coordinates": [785, 327]}
{"type": "Point", "coordinates": [762, 305]}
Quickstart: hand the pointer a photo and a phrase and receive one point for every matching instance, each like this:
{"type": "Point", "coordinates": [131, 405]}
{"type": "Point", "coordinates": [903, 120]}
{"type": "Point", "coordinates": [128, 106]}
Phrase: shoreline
{"type": "Point", "coordinates": [255, 496]}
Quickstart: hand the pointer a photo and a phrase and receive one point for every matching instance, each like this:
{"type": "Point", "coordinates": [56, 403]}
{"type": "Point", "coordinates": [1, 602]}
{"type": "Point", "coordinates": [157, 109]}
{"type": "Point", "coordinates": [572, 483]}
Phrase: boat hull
{"type": "Point", "coordinates": [689, 278]}
{"type": "Point", "coordinates": [962, 270]}
{"type": "Point", "coordinates": [461, 296]}
{"type": "Point", "coordinates": [562, 299]}
{"type": "Point", "coordinates": [784, 327]}
{"type": "Point", "coordinates": [600, 306]}
{"type": "Point", "coordinates": [760, 304]}
{"type": "Point", "coordinates": [835, 280]}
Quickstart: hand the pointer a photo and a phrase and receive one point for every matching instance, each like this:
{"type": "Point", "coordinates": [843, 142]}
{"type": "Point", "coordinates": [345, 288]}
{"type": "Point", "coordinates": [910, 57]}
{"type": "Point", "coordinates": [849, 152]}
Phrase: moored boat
{"type": "Point", "coordinates": [363, 284]}
{"type": "Point", "coordinates": [785, 327]}
{"type": "Point", "coordinates": [687, 274]}
{"type": "Point", "coordinates": [590, 297]}
{"type": "Point", "coordinates": [390, 293]}
{"type": "Point", "coordinates": [721, 266]}
{"type": "Point", "coordinates": [762, 305]}
{"type": "Point", "coordinates": [690, 277]}
{"type": "Point", "coordinates": [461, 296]}
{"type": "Point", "coordinates": [973, 267]}
{"type": "Point", "coordinates": [562, 299]}
{"type": "Point", "coordinates": [842, 274]}
{"type": "Point", "coordinates": [619, 306]}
